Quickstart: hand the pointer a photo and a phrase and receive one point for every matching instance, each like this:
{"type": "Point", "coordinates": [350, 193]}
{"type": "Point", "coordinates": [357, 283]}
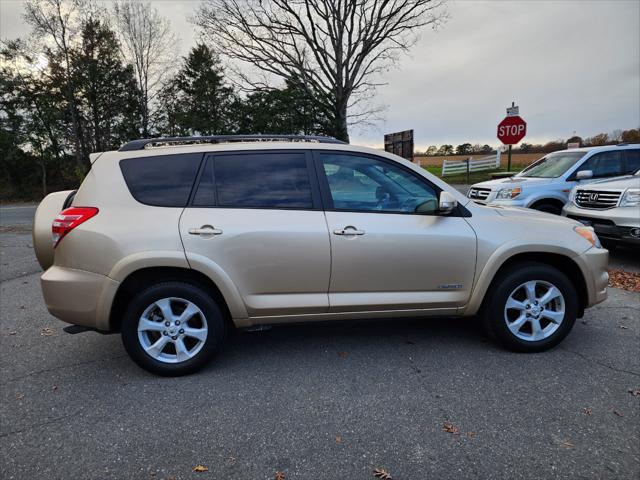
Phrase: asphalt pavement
{"type": "Point", "coordinates": [421, 399]}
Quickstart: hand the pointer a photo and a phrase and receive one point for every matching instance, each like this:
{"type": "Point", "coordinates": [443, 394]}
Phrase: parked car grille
{"type": "Point", "coordinates": [597, 199]}
{"type": "Point", "coordinates": [478, 193]}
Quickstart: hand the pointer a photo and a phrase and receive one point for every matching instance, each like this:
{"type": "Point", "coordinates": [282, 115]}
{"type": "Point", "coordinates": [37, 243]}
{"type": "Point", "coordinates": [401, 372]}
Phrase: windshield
{"type": "Point", "coordinates": [552, 165]}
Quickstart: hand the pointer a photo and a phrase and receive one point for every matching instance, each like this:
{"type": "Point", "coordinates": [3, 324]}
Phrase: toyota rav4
{"type": "Point", "coordinates": [172, 242]}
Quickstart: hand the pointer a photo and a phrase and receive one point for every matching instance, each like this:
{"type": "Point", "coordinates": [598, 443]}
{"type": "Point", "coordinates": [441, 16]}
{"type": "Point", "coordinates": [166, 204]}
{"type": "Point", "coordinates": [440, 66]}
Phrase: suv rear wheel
{"type": "Point", "coordinates": [531, 308]}
{"type": "Point", "coordinates": [173, 329]}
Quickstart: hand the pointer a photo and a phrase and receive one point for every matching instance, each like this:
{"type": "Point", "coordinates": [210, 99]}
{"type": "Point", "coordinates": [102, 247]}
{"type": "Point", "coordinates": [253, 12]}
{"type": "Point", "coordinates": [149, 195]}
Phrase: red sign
{"type": "Point", "coordinates": [511, 130]}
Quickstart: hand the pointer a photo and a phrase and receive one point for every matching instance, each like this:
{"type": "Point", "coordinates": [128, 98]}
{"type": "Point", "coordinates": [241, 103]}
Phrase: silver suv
{"type": "Point", "coordinates": [172, 242]}
{"type": "Point", "coordinates": [611, 207]}
{"type": "Point", "coordinates": [545, 184]}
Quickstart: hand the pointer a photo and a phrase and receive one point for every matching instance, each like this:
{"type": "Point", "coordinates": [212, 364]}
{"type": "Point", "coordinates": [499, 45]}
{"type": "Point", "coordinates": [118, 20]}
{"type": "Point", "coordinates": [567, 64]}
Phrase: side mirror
{"type": "Point", "coordinates": [584, 174]}
{"type": "Point", "coordinates": [447, 203]}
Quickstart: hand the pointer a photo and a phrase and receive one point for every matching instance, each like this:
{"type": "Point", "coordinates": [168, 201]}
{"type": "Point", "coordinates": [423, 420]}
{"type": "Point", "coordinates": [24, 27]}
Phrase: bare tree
{"type": "Point", "coordinates": [148, 43]}
{"type": "Point", "coordinates": [336, 48]}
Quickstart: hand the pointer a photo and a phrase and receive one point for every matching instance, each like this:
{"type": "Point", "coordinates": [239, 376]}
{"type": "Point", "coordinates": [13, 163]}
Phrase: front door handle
{"type": "Point", "coordinates": [205, 231]}
{"type": "Point", "coordinates": [349, 230]}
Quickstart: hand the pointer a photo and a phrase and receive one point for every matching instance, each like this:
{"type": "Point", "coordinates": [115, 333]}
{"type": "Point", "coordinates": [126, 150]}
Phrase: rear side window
{"type": "Point", "coordinates": [262, 180]}
{"type": "Point", "coordinates": [162, 181]}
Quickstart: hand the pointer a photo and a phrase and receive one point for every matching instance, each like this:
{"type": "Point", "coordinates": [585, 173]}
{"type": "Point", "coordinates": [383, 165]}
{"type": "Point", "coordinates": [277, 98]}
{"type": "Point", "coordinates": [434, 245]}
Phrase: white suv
{"type": "Point", "coordinates": [545, 184]}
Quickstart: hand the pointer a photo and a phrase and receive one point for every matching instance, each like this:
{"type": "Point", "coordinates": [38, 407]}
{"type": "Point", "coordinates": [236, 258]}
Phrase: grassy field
{"type": "Point", "coordinates": [434, 165]}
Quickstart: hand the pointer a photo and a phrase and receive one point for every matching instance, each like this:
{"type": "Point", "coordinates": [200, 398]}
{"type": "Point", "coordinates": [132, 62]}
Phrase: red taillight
{"type": "Point", "coordinates": [69, 219]}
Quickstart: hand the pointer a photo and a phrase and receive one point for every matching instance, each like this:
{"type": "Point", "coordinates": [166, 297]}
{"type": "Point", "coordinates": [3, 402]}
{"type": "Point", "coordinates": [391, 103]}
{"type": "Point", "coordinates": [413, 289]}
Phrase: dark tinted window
{"type": "Point", "coordinates": [205, 193]}
{"type": "Point", "coordinates": [163, 180]}
{"type": "Point", "coordinates": [633, 160]}
{"type": "Point", "coordinates": [605, 164]}
{"type": "Point", "coordinates": [266, 180]}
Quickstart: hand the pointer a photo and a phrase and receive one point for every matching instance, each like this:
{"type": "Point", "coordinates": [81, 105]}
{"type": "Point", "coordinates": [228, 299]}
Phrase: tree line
{"type": "Point", "coordinates": [91, 76]}
{"type": "Point", "coordinates": [617, 136]}
{"type": "Point", "coordinates": [83, 83]}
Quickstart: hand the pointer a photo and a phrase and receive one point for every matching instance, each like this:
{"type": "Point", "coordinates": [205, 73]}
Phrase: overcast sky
{"type": "Point", "coordinates": [570, 66]}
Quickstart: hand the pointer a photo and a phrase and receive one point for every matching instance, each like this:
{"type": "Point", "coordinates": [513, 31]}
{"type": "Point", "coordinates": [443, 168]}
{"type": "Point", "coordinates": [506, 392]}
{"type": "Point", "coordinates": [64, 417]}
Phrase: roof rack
{"type": "Point", "coordinates": [164, 141]}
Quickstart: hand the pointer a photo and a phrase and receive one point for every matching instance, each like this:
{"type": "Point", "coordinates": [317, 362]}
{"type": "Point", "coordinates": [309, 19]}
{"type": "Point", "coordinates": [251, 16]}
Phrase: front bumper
{"type": "Point", "coordinates": [616, 224]}
{"type": "Point", "coordinates": [594, 263]}
{"type": "Point", "coordinates": [79, 297]}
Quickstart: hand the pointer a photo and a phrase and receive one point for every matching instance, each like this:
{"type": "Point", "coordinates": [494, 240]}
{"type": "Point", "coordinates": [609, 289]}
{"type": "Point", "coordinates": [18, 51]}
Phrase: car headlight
{"type": "Point", "coordinates": [589, 235]}
{"type": "Point", "coordinates": [631, 198]}
{"type": "Point", "coordinates": [572, 194]}
{"type": "Point", "coordinates": [508, 193]}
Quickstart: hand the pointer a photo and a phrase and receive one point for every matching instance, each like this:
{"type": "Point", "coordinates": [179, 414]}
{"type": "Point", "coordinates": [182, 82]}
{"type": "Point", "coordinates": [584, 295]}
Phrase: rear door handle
{"type": "Point", "coordinates": [349, 230]}
{"type": "Point", "coordinates": [205, 231]}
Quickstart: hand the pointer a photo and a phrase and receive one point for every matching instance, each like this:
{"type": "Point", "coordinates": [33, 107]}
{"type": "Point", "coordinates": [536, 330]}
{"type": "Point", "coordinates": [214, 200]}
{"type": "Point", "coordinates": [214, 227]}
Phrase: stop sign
{"type": "Point", "coordinates": [511, 130]}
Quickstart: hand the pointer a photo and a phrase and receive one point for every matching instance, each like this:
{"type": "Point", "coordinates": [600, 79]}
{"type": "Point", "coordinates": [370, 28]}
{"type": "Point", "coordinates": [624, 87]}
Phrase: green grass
{"type": "Point", "coordinates": [474, 177]}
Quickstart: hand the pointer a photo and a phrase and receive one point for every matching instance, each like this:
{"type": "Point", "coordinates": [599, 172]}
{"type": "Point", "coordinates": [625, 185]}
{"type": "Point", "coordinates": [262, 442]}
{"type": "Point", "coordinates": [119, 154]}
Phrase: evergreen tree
{"type": "Point", "coordinates": [110, 106]}
{"type": "Point", "coordinates": [205, 97]}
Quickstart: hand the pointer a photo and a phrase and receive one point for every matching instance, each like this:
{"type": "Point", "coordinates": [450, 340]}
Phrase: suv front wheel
{"type": "Point", "coordinates": [173, 329]}
{"type": "Point", "coordinates": [531, 307]}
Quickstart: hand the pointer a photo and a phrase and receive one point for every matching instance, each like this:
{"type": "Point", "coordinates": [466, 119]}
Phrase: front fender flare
{"type": "Point", "coordinates": [497, 259]}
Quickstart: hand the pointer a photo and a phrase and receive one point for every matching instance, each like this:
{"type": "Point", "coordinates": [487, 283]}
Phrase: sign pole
{"type": "Point", "coordinates": [513, 104]}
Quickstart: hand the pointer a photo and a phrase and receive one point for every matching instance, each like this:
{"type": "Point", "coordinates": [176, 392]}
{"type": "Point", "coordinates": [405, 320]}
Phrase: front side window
{"type": "Point", "coordinates": [552, 166]}
{"type": "Point", "coordinates": [633, 161]}
{"type": "Point", "coordinates": [605, 164]}
{"type": "Point", "coordinates": [161, 180]}
{"type": "Point", "coordinates": [369, 185]}
{"type": "Point", "coordinates": [262, 180]}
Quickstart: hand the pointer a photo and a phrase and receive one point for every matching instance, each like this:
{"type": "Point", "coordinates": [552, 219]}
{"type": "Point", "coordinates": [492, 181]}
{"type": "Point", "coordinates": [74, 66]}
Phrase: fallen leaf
{"type": "Point", "coordinates": [620, 414]}
{"type": "Point", "coordinates": [587, 411]}
{"type": "Point", "coordinates": [471, 434]}
{"type": "Point", "coordinates": [567, 444]}
{"type": "Point", "coordinates": [635, 392]}
{"type": "Point", "coordinates": [279, 476]}
{"type": "Point", "coordinates": [20, 396]}
{"type": "Point", "coordinates": [619, 278]}
{"type": "Point", "coordinates": [623, 327]}
{"type": "Point", "coordinates": [47, 332]}
{"type": "Point", "coordinates": [200, 468]}
{"type": "Point", "coordinates": [338, 439]}
{"type": "Point", "coordinates": [382, 473]}
{"type": "Point", "coordinates": [450, 428]}
{"type": "Point", "coordinates": [342, 354]}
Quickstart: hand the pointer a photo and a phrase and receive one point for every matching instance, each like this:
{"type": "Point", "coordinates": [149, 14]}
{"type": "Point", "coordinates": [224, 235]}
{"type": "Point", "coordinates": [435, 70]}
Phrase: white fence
{"type": "Point", "coordinates": [453, 167]}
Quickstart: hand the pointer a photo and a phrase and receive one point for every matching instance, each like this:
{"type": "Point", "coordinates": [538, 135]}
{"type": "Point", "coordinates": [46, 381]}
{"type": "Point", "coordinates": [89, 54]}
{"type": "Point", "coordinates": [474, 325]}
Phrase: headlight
{"type": "Point", "coordinates": [589, 235]}
{"type": "Point", "coordinates": [508, 193]}
{"type": "Point", "coordinates": [631, 198]}
{"type": "Point", "coordinates": [572, 194]}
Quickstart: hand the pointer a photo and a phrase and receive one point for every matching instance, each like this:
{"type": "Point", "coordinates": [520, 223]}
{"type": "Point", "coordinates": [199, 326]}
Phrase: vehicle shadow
{"type": "Point", "coordinates": [364, 338]}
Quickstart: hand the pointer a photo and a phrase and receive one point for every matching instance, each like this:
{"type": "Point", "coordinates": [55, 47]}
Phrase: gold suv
{"type": "Point", "coordinates": [172, 242]}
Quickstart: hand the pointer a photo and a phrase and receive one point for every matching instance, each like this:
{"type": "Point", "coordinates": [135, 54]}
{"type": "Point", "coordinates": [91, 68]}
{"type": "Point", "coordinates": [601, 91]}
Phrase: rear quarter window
{"type": "Point", "coordinates": [163, 180]}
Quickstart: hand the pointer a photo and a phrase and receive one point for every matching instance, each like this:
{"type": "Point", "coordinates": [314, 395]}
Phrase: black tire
{"type": "Point", "coordinates": [548, 207]}
{"type": "Point", "coordinates": [493, 312]}
{"type": "Point", "coordinates": [216, 328]}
